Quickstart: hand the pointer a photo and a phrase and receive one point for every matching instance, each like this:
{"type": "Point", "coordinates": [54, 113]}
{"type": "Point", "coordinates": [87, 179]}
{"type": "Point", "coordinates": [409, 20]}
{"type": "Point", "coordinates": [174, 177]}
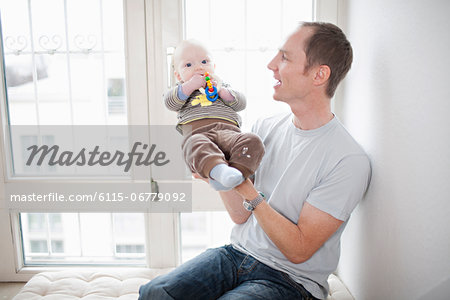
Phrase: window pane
{"type": "Point", "coordinates": [65, 70]}
{"type": "Point", "coordinates": [85, 238]}
{"type": "Point", "coordinates": [202, 230]}
{"type": "Point", "coordinates": [243, 47]}
{"type": "Point", "coordinates": [38, 246]}
{"type": "Point", "coordinates": [58, 70]}
{"type": "Point", "coordinates": [243, 36]}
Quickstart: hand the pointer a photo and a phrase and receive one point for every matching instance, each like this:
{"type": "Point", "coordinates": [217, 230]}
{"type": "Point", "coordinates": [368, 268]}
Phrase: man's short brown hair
{"type": "Point", "coordinates": [329, 46]}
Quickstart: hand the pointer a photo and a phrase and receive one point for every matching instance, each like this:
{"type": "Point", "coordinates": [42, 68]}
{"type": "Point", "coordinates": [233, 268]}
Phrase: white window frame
{"type": "Point", "coordinates": [149, 32]}
{"type": "Point", "coordinates": [161, 228]}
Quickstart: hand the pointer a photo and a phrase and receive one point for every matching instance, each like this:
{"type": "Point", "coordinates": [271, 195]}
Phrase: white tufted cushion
{"type": "Point", "coordinates": [120, 284]}
{"type": "Point", "coordinates": [338, 291]}
{"type": "Point", "coordinates": [87, 284]}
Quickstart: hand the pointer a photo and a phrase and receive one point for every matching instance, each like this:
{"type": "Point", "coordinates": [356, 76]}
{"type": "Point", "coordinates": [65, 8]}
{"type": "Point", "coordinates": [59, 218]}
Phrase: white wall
{"type": "Point", "coordinates": [396, 102]}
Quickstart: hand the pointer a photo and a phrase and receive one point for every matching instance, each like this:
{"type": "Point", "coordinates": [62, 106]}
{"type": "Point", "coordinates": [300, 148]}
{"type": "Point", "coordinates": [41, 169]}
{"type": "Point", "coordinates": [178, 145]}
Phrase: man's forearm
{"type": "Point", "coordinates": [285, 234]}
{"type": "Point", "coordinates": [233, 203]}
{"type": "Point", "coordinates": [298, 242]}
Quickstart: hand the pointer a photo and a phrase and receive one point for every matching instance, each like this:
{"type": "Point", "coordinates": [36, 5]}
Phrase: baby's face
{"type": "Point", "coordinates": [193, 59]}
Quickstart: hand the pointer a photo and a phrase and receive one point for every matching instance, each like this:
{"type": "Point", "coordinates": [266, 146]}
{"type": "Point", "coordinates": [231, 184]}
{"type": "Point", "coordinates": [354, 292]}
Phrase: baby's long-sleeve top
{"type": "Point", "coordinates": [197, 106]}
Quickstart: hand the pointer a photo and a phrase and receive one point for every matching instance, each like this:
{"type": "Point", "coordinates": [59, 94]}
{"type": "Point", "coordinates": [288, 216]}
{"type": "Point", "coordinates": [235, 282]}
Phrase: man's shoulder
{"type": "Point", "coordinates": [269, 123]}
{"type": "Point", "coordinates": [345, 141]}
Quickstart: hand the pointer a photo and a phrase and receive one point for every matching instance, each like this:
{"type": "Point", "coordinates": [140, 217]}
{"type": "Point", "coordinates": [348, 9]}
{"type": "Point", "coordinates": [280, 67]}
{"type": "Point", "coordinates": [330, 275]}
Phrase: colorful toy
{"type": "Point", "coordinates": [211, 91]}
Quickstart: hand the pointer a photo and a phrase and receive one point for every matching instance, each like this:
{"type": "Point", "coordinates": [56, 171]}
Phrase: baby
{"type": "Point", "coordinates": [213, 145]}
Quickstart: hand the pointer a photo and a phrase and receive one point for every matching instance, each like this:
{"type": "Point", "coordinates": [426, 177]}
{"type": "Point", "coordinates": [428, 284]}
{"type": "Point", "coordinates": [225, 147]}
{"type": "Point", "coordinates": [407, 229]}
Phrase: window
{"type": "Point", "coordinates": [202, 230]}
{"type": "Point", "coordinates": [64, 64]}
{"type": "Point", "coordinates": [76, 62]}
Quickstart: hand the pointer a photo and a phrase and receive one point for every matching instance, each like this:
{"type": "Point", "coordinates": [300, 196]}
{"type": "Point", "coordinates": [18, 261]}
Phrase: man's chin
{"type": "Point", "coordinates": [276, 97]}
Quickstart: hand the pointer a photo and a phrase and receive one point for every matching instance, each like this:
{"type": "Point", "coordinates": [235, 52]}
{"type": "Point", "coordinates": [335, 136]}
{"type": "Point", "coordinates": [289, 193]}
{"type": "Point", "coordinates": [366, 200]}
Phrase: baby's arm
{"type": "Point", "coordinates": [232, 98]}
{"type": "Point", "coordinates": [176, 97]}
{"type": "Point", "coordinates": [173, 100]}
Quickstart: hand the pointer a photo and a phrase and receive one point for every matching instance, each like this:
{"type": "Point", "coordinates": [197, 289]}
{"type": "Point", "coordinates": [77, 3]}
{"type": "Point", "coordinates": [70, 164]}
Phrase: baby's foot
{"type": "Point", "coordinates": [227, 176]}
{"type": "Point", "coordinates": [218, 186]}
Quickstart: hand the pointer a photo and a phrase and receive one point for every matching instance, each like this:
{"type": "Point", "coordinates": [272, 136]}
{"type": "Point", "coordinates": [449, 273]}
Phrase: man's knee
{"type": "Point", "coordinates": [153, 290]}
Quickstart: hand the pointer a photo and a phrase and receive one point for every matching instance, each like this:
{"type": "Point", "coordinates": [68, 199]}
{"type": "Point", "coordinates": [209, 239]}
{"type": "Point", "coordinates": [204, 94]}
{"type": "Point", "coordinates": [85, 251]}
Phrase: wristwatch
{"type": "Point", "coordinates": [251, 205]}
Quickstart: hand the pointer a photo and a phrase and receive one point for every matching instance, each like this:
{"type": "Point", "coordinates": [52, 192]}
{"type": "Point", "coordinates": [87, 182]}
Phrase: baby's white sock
{"type": "Point", "coordinates": [226, 175]}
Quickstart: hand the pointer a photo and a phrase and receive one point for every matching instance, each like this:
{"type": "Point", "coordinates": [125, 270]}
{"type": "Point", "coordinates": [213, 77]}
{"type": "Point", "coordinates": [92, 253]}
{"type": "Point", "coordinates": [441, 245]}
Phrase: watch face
{"type": "Point", "coordinates": [247, 206]}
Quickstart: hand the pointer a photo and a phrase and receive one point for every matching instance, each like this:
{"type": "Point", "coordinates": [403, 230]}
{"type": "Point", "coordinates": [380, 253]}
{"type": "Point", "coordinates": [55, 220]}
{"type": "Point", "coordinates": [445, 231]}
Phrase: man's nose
{"type": "Point", "coordinates": [272, 65]}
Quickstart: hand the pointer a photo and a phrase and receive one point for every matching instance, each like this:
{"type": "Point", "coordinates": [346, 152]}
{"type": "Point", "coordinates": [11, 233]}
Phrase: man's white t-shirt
{"type": "Point", "coordinates": [325, 167]}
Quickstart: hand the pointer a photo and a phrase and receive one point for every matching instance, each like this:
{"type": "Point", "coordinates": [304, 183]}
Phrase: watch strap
{"type": "Point", "coordinates": [251, 205]}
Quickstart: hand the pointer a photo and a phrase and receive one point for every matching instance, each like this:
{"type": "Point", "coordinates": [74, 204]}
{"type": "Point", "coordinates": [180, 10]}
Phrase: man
{"type": "Point", "coordinates": [313, 174]}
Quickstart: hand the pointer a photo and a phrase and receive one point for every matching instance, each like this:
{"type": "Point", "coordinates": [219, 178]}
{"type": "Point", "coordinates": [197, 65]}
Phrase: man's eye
{"type": "Point", "coordinates": [204, 61]}
{"type": "Point", "coordinates": [188, 65]}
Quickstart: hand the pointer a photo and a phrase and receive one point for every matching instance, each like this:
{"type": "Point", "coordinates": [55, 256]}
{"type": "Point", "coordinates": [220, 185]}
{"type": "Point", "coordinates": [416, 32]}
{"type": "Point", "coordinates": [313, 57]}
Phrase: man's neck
{"type": "Point", "coordinates": [313, 115]}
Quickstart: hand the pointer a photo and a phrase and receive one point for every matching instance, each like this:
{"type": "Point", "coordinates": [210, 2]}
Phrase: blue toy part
{"type": "Point", "coordinates": [211, 96]}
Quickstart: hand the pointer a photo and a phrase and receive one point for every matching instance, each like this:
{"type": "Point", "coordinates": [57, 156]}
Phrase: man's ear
{"type": "Point", "coordinates": [321, 74]}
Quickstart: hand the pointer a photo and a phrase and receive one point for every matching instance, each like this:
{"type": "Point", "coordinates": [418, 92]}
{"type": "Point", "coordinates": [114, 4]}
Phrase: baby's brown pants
{"type": "Point", "coordinates": [218, 143]}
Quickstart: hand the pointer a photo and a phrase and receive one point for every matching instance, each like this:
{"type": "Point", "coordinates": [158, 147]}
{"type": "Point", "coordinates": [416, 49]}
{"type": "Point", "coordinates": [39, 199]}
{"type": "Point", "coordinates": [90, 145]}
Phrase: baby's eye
{"type": "Point", "coordinates": [188, 65]}
{"type": "Point", "coordinates": [204, 61]}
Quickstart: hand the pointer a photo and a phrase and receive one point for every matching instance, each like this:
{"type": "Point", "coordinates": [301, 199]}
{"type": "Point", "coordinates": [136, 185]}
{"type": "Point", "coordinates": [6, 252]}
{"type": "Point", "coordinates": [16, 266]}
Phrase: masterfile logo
{"type": "Point", "coordinates": [98, 168]}
{"type": "Point", "coordinates": [91, 158]}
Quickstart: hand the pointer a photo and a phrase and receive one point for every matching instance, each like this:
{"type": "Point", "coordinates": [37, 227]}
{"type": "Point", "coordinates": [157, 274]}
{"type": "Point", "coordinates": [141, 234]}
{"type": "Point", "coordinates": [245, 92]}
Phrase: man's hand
{"type": "Point", "coordinates": [197, 176]}
{"type": "Point", "coordinates": [197, 81]}
{"type": "Point", "coordinates": [232, 201]}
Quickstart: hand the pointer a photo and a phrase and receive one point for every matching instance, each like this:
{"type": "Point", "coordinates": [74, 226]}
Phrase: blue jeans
{"type": "Point", "coordinates": [223, 273]}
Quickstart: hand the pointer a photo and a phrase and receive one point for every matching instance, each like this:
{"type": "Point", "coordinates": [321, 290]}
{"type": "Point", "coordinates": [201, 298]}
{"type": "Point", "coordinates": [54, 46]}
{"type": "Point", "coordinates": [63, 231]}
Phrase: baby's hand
{"type": "Point", "coordinates": [226, 95]}
{"type": "Point", "coordinates": [197, 81]}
